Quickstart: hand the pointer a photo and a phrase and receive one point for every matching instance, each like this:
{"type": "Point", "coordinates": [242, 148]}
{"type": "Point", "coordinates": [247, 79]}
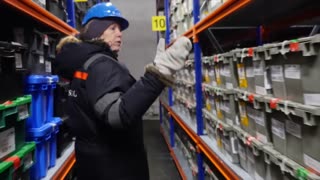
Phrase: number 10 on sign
{"type": "Point", "coordinates": [158, 23]}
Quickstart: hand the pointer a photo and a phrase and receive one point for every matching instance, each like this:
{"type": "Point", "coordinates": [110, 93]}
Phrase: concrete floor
{"type": "Point", "coordinates": [161, 164]}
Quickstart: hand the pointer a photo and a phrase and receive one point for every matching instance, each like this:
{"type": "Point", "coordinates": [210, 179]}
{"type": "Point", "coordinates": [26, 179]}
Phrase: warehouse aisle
{"type": "Point", "coordinates": [161, 165]}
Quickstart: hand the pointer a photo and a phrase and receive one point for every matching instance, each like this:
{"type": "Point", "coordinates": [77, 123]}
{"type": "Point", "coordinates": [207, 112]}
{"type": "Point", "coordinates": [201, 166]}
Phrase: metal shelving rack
{"type": "Point", "coordinates": [41, 17]}
{"type": "Point", "coordinates": [258, 20]}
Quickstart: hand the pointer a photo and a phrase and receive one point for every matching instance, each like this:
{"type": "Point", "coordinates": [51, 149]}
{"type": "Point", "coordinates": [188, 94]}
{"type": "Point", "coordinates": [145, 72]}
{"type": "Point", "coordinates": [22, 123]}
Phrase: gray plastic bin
{"type": "Point", "coordinates": [230, 146]}
{"type": "Point", "coordinates": [229, 72]}
{"type": "Point", "coordinates": [209, 74]}
{"type": "Point", "coordinates": [218, 69]}
{"type": "Point", "coordinates": [245, 74]}
{"type": "Point", "coordinates": [210, 127]}
{"type": "Point", "coordinates": [296, 132]}
{"type": "Point", "coordinates": [225, 103]}
{"type": "Point", "coordinates": [298, 61]}
{"type": "Point", "coordinates": [273, 164]}
{"type": "Point", "coordinates": [261, 71]}
{"type": "Point", "coordinates": [275, 61]}
{"type": "Point", "coordinates": [253, 116]}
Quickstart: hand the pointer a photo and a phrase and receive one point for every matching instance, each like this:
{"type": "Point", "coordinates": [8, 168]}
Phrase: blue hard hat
{"type": "Point", "coordinates": [105, 10]}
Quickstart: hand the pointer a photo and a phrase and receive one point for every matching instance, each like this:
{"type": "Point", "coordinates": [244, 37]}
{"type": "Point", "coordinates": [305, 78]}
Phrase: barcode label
{"type": "Point", "coordinates": [278, 128]}
{"type": "Point", "coordinates": [292, 71]}
{"type": "Point", "coordinates": [258, 69]}
{"type": "Point", "coordinates": [293, 128]}
{"type": "Point", "coordinates": [249, 72]}
{"type": "Point", "coordinates": [48, 66]}
{"type": "Point", "coordinates": [18, 59]}
{"type": "Point", "coordinates": [7, 142]}
{"type": "Point", "coordinates": [41, 59]}
{"type": "Point", "coordinates": [23, 111]}
{"type": "Point", "coordinates": [277, 73]}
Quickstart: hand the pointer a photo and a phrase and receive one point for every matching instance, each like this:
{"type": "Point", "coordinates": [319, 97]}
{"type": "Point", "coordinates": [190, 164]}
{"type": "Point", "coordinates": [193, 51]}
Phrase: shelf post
{"type": "Point", "coordinates": [198, 85]}
{"type": "Point", "coordinates": [167, 39]}
{"type": "Point", "coordinates": [71, 13]}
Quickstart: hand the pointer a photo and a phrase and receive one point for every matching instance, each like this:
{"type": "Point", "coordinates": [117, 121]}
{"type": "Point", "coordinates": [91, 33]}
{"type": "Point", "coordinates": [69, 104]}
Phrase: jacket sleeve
{"type": "Point", "coordinates": [117, 108]}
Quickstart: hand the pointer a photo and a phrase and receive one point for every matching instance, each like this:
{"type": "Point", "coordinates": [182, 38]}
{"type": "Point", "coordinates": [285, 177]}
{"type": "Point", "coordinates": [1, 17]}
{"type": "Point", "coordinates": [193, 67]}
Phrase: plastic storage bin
{"type": "Point", "coordinates": [46, 147]}
{"type": "Point", "coordinates": [42, 89]}
{"type": "Point", "coordinates": [254, 119]}
{"type": "Point", "coordinates": [294, 69]}
{"type": "Point", "coordinates": [224, 102]}
{"type": "Point", "coordinates": [261, 71]}
{"type": "Point", "coordinates": [6, 170]}
{"type": "Point", "coordinates": [37, 55]}
{"type": "Point", "coordinates": [13, 115]}
{"type": "Point", "coordinates": [57, 7]}
{"type": "Point", "coordinates": [244, 60]}
{"type": "Point", "coordinates": [16, 166]}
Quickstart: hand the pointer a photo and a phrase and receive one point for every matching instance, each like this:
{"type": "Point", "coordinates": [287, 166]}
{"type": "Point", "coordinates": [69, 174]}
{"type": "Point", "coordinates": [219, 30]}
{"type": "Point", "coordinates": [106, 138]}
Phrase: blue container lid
{"type": "Point", "coordinates": [52, 79]}
{"type": "Point", "coordinates": [40, 132]}
{"type": "Point", "coordinates": [36, 79]}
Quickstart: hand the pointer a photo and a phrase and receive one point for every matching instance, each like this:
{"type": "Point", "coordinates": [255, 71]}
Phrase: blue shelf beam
{"type": "Point", "coordinates": [71, 13]}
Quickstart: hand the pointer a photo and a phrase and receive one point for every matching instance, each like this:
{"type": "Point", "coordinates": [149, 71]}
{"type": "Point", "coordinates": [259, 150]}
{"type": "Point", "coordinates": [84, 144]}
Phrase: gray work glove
{"type": "Point", "coordinates": [170, 60]}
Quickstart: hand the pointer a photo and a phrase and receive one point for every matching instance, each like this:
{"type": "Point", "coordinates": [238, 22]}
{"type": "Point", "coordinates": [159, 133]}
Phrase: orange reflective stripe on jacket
{"type": "Point", "coordinates": [80, 75]}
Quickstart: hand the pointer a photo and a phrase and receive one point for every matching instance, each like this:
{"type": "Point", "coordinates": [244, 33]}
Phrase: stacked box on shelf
{"type": "Point", "coordinates": [188, 149]}
{"type": "Point", "coordinates": [213, 5]}
{"type": "Point", "coordinates": [184, 93]}
{"type": "Point", "coordinates": [251, 154]}
{"type": "Point", "coordinates": [209, 173]}
{"type": "Point", "coordinates": [17, 166]}
{"type": "Point", "coordinates": [57, 8]}
{"type": "Point", "coordinates": [289, 126]}
{"type": "Point", "coordinates": [253, 116]}
{"type": "Point", "coordinates": [224, 101]}
{"type": "Point", "coordinates": [36, 62]}
{"type": "Point", "coordinates": [295, 131]}
{"type": "Point", "coordinates": [42, 127]}
{"type": "Point", "coordinates": [225, 70]}
{"type": "Point", "coordinates": [204, 8]}
{"type": "Point", "coordinates": [210, 127]}
{"type": "Point", "coordinates": [41, 3]}
{"type": "Point", "coordinates": [224, 137]}
{"type": "Point", "coordinates": [294, 69]}
{"type": "Point", "coordinates": [12, 69]}
{"type": "Point", "coordinates": [13, 115]}
{"type": "Point", "coordinates": [244, 60]}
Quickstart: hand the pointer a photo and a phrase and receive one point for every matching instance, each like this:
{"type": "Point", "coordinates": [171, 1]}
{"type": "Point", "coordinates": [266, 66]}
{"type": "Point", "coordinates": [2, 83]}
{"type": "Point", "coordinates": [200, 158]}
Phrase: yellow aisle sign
{"type": "Point", "coordinates": [158, 23]}
{"type": "Point", "coordinates": [80, 0]}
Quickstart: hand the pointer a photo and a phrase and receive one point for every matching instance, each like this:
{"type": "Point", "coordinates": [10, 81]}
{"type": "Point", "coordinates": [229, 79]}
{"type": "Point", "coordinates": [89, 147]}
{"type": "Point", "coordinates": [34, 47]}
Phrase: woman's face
{"type": "Point", "coordinates": [113, 36]}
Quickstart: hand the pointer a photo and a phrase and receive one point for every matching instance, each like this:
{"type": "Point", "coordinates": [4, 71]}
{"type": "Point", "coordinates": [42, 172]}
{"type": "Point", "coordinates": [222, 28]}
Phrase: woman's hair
{"type": "Point", "coordinates": [84, 30]}
{"type": "Point", "coordinates": [95, 28]}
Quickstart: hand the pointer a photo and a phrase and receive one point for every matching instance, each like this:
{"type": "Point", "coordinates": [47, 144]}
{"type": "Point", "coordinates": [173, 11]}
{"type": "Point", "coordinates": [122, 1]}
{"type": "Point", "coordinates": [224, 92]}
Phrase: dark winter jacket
{"type": "Point", "coordinates": [106, 113]}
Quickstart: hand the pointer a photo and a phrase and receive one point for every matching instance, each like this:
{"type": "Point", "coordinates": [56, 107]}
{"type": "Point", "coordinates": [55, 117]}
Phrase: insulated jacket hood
{"type": "Point", "coordinates": [72, 56]}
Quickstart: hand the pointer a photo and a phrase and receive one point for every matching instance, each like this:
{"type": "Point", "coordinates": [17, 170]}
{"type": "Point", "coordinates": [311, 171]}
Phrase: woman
{"type": "Point", "coordinates": [106, 103]}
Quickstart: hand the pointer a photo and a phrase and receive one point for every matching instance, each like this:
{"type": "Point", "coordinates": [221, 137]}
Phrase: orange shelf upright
{"type": "Point", "coordinates": [37, 12]}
